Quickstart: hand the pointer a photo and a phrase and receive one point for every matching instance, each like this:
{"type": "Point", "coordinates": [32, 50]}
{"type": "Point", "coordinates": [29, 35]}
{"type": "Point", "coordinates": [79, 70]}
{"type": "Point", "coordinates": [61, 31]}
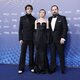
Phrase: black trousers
{"type": "Point", "coordinates": [23, 54]}
{"type": "Point", "coordinates": [57, 47]}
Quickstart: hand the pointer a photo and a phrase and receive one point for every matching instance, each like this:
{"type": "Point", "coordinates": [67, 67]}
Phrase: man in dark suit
{"type": "Point", "coordinates": [58, 27]}
{"type": "Point", "coordinates": [26, 29]}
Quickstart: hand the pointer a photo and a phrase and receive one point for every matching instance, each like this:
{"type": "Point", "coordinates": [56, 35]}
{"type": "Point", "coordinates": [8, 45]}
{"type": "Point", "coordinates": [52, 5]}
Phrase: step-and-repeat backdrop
{"type": "Point", "coordinates": [10, 12]}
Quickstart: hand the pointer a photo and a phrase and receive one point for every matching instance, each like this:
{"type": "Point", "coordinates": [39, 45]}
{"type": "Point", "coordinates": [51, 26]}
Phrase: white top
{"type": "Point", "coordinates": [53, 22]}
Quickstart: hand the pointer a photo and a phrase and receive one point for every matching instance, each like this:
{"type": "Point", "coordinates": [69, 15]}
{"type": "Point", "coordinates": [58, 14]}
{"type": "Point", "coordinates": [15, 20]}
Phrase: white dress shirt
{"type": "Point", "coordinates": [53, 22]}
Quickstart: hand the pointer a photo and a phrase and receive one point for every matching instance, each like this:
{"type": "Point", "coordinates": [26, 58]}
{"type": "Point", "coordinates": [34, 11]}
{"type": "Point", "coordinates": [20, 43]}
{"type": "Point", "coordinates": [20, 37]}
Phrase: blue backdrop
{"type": "Point", "coordinates": [10, 12]}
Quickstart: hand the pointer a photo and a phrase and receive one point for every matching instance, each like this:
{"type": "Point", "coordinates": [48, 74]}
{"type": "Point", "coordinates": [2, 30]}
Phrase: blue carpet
{"type": "Point", "coordinates": [9, 72]}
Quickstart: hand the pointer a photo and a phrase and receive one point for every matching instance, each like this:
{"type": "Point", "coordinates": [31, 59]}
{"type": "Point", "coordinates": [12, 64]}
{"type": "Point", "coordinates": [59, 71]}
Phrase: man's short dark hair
{"type": "Point", "coordinates": [29, 6]}
{"type": "Point", "coordinates": [54, 6]}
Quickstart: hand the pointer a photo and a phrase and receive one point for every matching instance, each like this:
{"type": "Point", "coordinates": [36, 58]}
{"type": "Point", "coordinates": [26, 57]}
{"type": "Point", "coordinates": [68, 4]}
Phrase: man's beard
{"type": "Point", "coordinates": [55, 15]}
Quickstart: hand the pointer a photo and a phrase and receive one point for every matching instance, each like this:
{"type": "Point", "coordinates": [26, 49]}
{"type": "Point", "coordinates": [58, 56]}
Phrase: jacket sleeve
{"type": "Point", "coordinates": [20, 29]}
{"type": "Point", "coordinates": [65, 28]}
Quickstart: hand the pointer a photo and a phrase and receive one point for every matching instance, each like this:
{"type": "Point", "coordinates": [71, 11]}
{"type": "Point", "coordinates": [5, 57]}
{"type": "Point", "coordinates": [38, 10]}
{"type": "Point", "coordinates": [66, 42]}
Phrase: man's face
{"type": "Point", "coordinates": [54, 10]}
{"type": "Point", "coordinates": [28, 10]}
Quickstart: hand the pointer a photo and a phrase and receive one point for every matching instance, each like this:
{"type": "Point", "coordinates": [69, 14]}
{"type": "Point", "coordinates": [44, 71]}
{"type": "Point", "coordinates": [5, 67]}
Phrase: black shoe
{"type": "Point", "coordinates": [43, 71]}
{"type": "Point", "coordinates": [52, 71]}
{"type": "Point", "coordinates": [63, 72]}
{"type": "Point", "coordinates": [37, 71]}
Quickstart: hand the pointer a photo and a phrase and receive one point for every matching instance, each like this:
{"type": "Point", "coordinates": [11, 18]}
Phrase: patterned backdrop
{"type": "Point", "coordinates": [10, 12]}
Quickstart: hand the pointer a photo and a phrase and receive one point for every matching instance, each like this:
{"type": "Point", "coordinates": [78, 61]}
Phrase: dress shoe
{"type": "Point", "coordinates": [32, 70]}
{"type": "Point", "coordinates": [63, 72]}
{"type": "Point", "coordinates": [52, 71]}
{"type": "Point", "coordinates": [20, 71]}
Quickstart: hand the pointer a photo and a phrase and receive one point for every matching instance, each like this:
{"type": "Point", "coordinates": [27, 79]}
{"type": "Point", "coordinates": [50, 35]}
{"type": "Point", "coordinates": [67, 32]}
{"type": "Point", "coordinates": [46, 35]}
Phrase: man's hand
{"type": "Point", "coordinates": [62, 40]}
{"type": "Point", "coordinates": [21, 41]}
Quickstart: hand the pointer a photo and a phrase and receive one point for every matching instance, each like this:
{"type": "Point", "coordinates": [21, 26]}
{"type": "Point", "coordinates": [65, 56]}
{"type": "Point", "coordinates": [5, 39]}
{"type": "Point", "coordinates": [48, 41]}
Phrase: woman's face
{"type": "Point", "coordinates": [42, 14]}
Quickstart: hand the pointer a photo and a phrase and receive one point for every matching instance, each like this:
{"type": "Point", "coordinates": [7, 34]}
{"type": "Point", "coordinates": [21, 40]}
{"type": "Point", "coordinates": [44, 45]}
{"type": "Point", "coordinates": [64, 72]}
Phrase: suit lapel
{"type": "Point", "coordinates": [50, 22]}
{"type": "Point", "coordinates": [50, 19]}
{"type": "Point", "coordinates": [57, 21]}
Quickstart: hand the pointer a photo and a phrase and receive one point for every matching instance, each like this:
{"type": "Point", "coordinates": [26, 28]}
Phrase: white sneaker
{"type": "Point", "coordinates": [20, 72]}
{"type": "Point", "coordinates": [32, 70]}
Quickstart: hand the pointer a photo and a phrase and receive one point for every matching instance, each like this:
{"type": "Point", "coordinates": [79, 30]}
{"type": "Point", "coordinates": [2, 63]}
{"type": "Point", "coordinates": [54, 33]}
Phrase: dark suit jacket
{"type": "Point", "coordinates": [61, 27]}
{"type": "Point", "coordinates": [26, 27]}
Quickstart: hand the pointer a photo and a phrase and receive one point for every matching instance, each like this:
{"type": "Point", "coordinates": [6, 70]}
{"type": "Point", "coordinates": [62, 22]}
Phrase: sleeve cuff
{"type": "Point", "coordinates": [63, 39]}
